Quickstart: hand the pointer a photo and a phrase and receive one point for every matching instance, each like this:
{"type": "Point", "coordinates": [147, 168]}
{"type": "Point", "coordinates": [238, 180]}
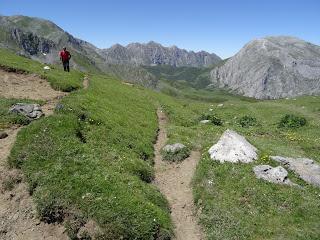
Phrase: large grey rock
{"type": "Point", "coordinates": [305, 168]}
{"type": "Point", "coordinates": [233, 147]}
{"type": "Point", "coordinates": [272, 174]}
{"type": "Point", "coordinates": [272, 67]}
{"type": "Point", "coordinates": [31, 111]}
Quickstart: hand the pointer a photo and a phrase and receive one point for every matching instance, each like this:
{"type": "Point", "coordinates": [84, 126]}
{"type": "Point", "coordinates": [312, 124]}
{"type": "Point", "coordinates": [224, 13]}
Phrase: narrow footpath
{"type": "Point", "coordinates": [174, 181]}
{"type": "Point", "coordinates": [18, 220]}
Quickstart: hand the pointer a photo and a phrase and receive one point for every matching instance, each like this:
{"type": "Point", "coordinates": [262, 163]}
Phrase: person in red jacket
{"type": "Point", "coordinates": [65, 57]}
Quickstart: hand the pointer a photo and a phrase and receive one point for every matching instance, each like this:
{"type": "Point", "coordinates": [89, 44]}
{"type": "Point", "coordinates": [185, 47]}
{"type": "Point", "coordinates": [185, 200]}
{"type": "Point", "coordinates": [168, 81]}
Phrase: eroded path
{"type": "Point", "coordinates": [173, 180]}
{"type": "Point", "coordinates": [18, 220]}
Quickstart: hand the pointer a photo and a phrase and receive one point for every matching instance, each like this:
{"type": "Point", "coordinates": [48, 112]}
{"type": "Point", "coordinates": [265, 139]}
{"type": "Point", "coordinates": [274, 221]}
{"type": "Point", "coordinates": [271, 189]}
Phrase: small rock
{"type": "Point", "coordinates": [233, 147]}
{"type": "Point", "coordinates": [205, 121]}
{"type": "Point", "coordinates": [272, 174]}
{"type": "Point", "coordinates": [59, 106]}
{"type": "Point", "coordinates": [3, 135]}
{"type": "Point", "coordinates": [31, 111]}
{"type": "Point", "coordinates": [175, 152]}
{"type": "Point", "coordinates": [46, 68]}
{"type": "Point", "coordinates": [173, 148]}
{"type": "Point", "coordinates": [220, 105]}
{"type": "Point", "coordinates": [305, 168]}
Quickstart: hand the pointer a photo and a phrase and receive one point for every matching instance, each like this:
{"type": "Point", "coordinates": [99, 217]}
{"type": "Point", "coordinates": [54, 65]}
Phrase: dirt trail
{"type": "Point", "coordinates": [86, 82]}
{"type": "Point", "coordinates": [173, 180]}
{"type": "Point", "coordinates": [18, 220]}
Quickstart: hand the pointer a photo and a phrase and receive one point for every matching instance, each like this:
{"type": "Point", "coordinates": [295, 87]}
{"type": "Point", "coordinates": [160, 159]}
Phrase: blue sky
{"type": "Point", "coordinates": [222, 27]}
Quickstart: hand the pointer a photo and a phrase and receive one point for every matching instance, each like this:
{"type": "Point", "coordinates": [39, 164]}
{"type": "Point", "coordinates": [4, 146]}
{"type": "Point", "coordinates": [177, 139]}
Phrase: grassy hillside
{"type": "Point", "coordinates": [93, 160]}
{"type": "Point", "coordinates": [234, 204]}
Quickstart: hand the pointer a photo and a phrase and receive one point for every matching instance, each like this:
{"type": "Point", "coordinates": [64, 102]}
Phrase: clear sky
{"type": "Point", "coordinates": [222, 27]}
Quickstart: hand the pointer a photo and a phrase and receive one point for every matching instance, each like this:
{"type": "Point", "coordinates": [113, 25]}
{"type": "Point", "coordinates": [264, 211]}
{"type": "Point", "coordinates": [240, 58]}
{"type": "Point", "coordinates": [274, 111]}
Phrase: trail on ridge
{"type": "Point", "coordinates": [173, 180]}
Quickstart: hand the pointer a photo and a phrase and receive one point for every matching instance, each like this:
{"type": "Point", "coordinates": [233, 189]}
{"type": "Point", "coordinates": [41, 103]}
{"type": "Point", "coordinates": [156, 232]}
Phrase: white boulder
{"type": "Point", "coordinates": [233, 147]}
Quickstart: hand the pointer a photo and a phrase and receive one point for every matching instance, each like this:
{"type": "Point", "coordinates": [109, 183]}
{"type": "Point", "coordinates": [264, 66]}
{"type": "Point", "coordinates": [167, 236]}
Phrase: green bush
{"type": "Point", "coordinates": [247, 121]}
{"type": "Point", "coordinates": [213, 118]}
{"type": "Point", "coordinates": [292, 121]}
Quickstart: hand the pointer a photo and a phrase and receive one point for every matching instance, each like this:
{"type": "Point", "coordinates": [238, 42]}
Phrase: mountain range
{"type": "Point", "coordinates": [266, 68]}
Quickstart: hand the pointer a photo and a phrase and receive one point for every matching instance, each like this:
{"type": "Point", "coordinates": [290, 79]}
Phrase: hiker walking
{"type": "Point", "coordinates": [65, 57]}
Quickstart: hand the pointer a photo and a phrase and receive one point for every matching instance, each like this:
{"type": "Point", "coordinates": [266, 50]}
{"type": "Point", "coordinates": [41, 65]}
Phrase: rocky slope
{"type": "Point", "coordinates": [153, 53]}
{"type": "Point", "coordinates": [272, 67]}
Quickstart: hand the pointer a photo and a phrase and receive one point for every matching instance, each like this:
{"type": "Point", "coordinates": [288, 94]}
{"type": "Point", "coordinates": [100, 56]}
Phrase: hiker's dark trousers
{"type": "Point", "coordinates": [66, 66]}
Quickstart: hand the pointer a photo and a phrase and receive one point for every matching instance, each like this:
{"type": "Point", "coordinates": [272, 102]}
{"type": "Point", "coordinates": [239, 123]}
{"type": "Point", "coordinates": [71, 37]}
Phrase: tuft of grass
{"type": "Point", "coordinates": [58, 79]}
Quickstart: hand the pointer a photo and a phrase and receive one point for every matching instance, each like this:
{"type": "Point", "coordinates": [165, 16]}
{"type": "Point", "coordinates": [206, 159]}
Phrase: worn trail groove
{"type": "Point", "coordinates": [18, 220]}
{"type": "Point", "coordinates": [173, 180]}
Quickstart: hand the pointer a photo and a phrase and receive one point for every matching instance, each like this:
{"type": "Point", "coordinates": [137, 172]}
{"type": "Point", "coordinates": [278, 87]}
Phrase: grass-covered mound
{"type": "Point", "coordinates": [57, 78]}
{"type": "Point", "coordinates": [93, 160]}
{"type": "Point", "coordinates": [234, 204]}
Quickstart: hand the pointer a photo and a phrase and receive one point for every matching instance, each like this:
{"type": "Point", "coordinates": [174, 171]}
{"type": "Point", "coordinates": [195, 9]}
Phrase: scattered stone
{"type": "Point", "coordinates": [59, 106]}
{"type": "Point", "coordinates": [233, 147]}
{"type": "Point", "coordinates": [46, 68]}
{"type": "Point", "coordinates": [220, 105]}
{"type": "Point", "coordinates": [175, 152]}
{"type": "Point", "coordinates": [31, 111]}
{"type": "Point", "coordinates": [3, 135]}
{"type": "Point", "coordinates": [272, 174]}
{"type": "Point", "coordinates": [205, 121]}
{"type": "Point", "coordinates": [305, 168]}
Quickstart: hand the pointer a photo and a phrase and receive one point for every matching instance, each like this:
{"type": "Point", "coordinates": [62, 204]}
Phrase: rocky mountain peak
{"type": "Point", "coordinates": [272, 67]}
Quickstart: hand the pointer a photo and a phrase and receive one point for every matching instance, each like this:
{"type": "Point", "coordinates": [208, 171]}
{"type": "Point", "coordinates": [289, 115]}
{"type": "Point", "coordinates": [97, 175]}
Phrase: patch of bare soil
{"type": "Point", "coordinates": [18, 220]}
{"type": "Point", "coordinates": [27, 86]}
{"type": "Point", "coordinates": [86, 82]}
{"type": "Point", "coordinates": [173, 180]}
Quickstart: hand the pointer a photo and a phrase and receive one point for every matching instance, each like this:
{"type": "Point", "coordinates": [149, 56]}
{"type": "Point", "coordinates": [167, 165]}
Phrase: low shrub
{"type": "Point", "coordinates": [213, 118]}
{"type": "Point", "coordinates": [292, 121]}
{"type": "Point", "coordinates": [247, 121]}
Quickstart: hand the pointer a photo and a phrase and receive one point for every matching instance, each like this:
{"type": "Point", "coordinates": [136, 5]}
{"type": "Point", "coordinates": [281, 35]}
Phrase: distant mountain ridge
{"type": "Point", "coordinates": [35, 36]}
{"type": "Point", "coordinates": [271, 68]}
{"type": "Point", "coordinates": [153, 53]}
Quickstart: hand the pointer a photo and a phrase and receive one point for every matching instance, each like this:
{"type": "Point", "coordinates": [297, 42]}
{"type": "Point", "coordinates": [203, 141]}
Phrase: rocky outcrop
{"type": "Point", "coordinates": [155, 54]}
{"type": "Point", "coordinates": [305, 168]}
{"type": "Point", "coordinates": [271, 68]}
{"type": "Point", "coordinates": [272, 174]}
{"type": "Point", "coordinates": [31, 111]}
{"type": "Point", "coordinates": [234, 148]}
{"type": "Point", "coordinates": [31, 43]}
